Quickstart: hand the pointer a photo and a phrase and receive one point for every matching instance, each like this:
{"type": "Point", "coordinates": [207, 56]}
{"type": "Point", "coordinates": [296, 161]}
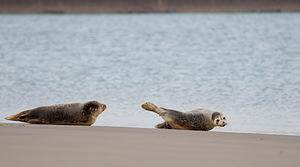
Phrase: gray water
{"type": "Point", "coordinates": [246, 66]}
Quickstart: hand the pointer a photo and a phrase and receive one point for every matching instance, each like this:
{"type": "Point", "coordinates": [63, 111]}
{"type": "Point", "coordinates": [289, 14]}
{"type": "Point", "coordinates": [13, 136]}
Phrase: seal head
{"type": "Point", "coordinates": [219, 119]}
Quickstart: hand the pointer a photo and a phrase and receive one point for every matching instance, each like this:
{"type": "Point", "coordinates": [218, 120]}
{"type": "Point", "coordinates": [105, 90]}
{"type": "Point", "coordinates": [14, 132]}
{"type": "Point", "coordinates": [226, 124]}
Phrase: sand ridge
{"type": "Point", "coordinates": [57, 145]}
{"type": "Point", "coordinates": [147, 6]}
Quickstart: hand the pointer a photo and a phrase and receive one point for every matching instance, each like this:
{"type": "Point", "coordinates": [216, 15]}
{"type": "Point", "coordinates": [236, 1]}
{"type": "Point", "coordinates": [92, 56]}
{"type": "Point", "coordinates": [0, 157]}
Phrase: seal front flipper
{"type": "Point", "coordinates": [163, 125]}
{"type": "Point", "coordinates": [22, 116]}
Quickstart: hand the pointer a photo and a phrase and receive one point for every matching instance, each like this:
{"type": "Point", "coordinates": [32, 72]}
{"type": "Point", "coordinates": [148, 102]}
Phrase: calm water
{"type": "Point", "coordinates": [246, 66]}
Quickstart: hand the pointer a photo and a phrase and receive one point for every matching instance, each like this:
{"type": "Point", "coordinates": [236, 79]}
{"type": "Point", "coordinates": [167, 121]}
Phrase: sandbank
{"type": "Point", "coordinates": [147, 6]}
{"type": "Point", "coordinates": [77, 146]}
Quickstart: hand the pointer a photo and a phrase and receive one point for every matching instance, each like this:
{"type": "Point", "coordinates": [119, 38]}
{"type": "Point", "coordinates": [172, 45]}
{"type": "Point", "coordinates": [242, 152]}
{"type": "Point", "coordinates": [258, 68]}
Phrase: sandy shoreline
{"type": "Point", "coordinates": [44, 145]}
{"type": "Point", "coordinates": [147, 6]}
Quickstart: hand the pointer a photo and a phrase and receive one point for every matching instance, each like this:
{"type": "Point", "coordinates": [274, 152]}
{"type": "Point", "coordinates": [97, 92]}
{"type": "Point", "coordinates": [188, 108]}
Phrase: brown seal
{"type": "Point", "coordinates": [62, 114]}
{"type": "Point", "coordinates": [199, 119]}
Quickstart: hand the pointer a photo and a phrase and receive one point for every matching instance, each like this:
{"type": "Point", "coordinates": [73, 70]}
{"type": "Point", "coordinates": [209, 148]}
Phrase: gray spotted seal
{"type": "Point", "coordinates": [62, 114]}
{"type": "Point", "coordinates": [199, 119]}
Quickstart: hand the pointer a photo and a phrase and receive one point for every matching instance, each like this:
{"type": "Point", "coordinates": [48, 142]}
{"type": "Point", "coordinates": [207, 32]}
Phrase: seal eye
{"type": "Point", "coordinates": [218, 120]}
{"type": "Point", "coordinates": [224, 118]}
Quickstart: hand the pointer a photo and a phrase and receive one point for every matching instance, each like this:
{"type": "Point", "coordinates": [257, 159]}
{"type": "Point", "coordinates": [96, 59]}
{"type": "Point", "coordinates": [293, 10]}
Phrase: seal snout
{"type": "Point", "coordinates": [103, 106]}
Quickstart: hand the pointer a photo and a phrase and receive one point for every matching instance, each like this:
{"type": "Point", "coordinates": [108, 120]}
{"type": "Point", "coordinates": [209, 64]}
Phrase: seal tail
{"type": "Point", "coordinates": [151, 107]}
{"type": "Point", "coordinates": [22, 116]}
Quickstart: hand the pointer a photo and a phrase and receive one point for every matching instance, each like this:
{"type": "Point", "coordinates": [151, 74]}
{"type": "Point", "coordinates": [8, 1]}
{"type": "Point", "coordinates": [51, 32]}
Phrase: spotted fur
{"type": "Point", "coordinates": [62, 114]}
{"type": "Point", "coordinates": [199, 119]}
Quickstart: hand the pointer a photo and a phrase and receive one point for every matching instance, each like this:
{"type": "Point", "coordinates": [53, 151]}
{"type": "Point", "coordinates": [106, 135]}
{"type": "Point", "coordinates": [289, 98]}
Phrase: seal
{"type": "Point", "coordinates": [199, 119]}
{"type": "Point", "coordinates": [62, 114]}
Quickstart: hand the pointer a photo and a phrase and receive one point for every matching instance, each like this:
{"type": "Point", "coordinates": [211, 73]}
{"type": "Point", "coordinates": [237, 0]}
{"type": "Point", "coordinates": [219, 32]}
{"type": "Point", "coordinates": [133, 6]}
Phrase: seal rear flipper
{"type": "Point", "coordinates": [22, 116]}
{"type": "Point", "coordinates": [163, 125]}
{"type": "Point", "coordinates": [151, 107]}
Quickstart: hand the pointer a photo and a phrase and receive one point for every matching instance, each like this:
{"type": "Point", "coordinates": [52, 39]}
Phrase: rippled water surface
{"type": "Point", "coordinates": [246, 66]}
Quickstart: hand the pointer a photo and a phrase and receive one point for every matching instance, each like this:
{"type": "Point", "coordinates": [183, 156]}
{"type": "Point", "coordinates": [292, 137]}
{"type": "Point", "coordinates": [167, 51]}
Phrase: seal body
{"type": "Point", "coordinates": [62, 114]}
{"type": "Point", "coordinates": [199, 119]}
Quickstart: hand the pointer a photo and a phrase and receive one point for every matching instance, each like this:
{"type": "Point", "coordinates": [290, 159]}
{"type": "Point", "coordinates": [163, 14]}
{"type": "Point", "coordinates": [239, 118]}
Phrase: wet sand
{"type": "Point", "coordinates": [77, 146]}
{"type": "Point", "coordinates": [147, 6]}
